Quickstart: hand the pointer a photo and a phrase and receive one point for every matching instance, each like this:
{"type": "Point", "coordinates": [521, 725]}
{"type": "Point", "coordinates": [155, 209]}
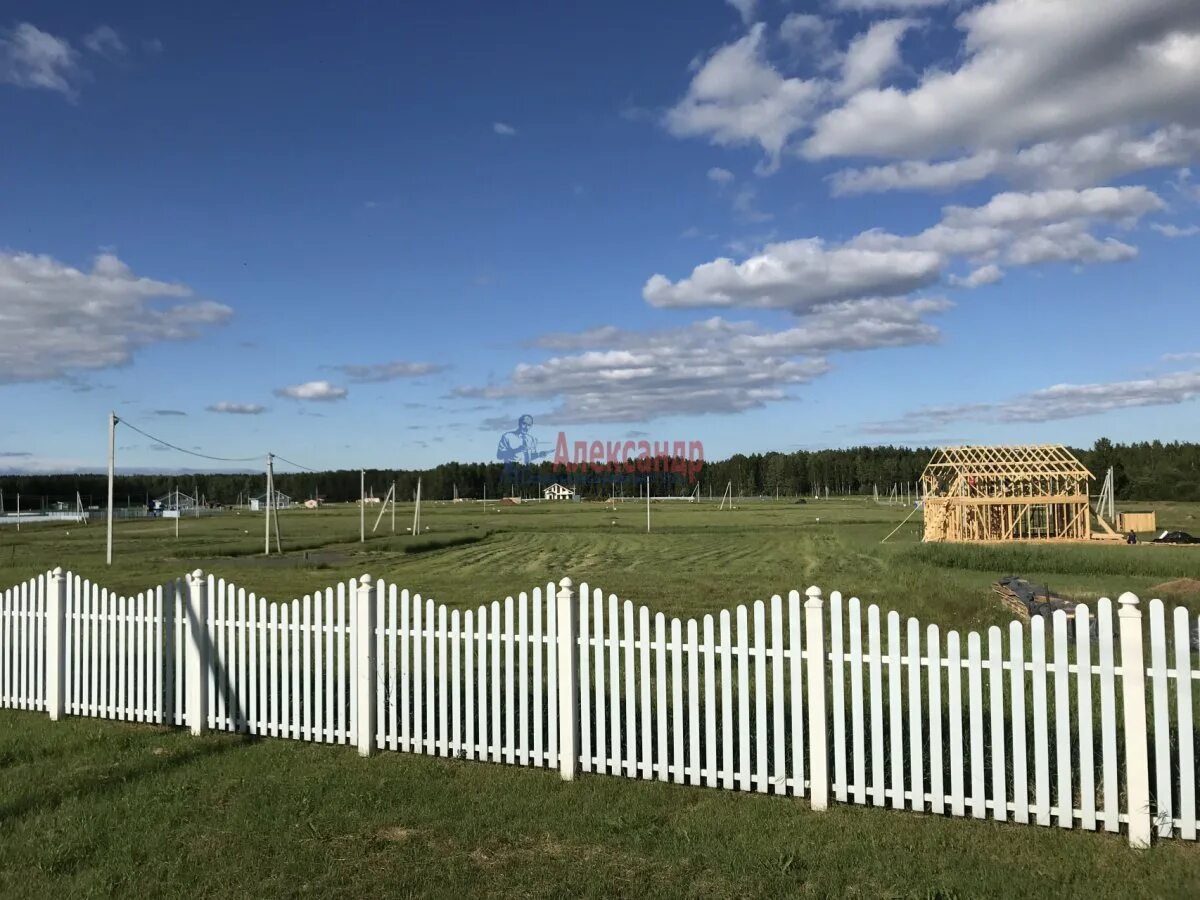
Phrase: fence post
{"type": "Point", "coordinates": [56, 660]}
{"type": "Point", "coordinates": [814, 649]}
{"type": "Point", "coordinates": [1133, 702]}
{"type": "Point", "coordinates": [365, 641]}
{"type": "Point", "coordinates": [196, 699]}
{"type": "Point", "coordinates": [568, 681]}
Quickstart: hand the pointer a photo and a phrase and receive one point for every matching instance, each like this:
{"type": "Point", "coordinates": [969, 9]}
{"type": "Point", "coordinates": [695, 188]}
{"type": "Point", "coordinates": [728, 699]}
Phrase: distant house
{"type": "Point", "coordinates": [558, 492]}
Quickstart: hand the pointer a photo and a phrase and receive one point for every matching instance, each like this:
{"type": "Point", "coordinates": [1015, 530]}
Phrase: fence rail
{"type": "Point", "coordinates": [1081, 722]}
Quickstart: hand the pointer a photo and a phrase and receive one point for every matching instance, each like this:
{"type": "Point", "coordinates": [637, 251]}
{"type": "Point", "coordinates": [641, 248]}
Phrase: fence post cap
{"type": "Point", "coordinates": [197, 575]}
{"type": "Point", "coordinates": [364, 581]}
{"type": "Point", "coordinates": [1129, 605]}
{"type": "Point", "coordinates": [565, 584]}
{"type": "Point", "coordinates": [814, 597]}
{"type": "Point", "coordinates": [56, 572]}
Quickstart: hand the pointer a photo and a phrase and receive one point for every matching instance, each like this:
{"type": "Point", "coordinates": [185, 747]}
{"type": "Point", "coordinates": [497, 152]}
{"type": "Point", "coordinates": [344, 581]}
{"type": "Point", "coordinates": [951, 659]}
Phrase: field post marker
{"type": "Point", "coordinates": [365, 647]}
{"type": "Point", "coordinates": [197, 653]}
{"type": "Point", "coordinates": [56, 660]}
{"type": "Point", "coordinates": [568, 681]}
{"type": "Point", "coordinates": [814, 649]}
{"type": "Point", "coordinates": [1133, 701]}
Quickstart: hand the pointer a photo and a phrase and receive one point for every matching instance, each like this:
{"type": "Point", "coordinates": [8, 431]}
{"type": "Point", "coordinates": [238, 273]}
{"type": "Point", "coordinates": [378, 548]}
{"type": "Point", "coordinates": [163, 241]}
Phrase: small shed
{"type": "Point", "coordinates": [1137, 521]}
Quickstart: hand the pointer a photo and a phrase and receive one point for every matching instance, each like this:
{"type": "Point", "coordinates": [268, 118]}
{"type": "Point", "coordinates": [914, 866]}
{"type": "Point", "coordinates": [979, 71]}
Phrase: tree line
{"type": "Point", "coordinates": [1148, 470]}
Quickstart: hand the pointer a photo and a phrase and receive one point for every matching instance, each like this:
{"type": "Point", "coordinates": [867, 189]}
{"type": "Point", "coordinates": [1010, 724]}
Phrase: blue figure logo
{"type": "Point", "coordinates": [519, 446]}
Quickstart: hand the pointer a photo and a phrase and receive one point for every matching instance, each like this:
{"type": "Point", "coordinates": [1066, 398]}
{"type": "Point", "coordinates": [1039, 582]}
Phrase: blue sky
{"type": "Point", "coordinates": [369, 237]}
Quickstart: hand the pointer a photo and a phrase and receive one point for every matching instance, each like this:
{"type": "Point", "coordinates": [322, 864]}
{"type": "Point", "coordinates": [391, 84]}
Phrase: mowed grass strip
{"type": "Point", "coordinates": [697, 559]}
{"type": "Point", "coordinates": [99, 808]}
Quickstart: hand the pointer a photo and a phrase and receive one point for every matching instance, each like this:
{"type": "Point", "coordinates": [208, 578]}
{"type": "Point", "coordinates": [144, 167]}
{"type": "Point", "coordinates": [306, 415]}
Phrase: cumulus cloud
{"type": "Point", "coordinates": [1060, 401]}
{"type": "Point", "coordinates": [32, 58]}
{"type": "Point", "coordinates": [810, 38]}
{"type": "Point", "coordinates": [737, 97]}
{"type": "Point", "coordinates": [57, 319]}
{"type": "Point", "coordinates": [503, 129]}
{"type": "Point", "coordinates": [237, 409]}
{"type": "Point", "coordinates": [797, 275]}
{"type": "Point", "coordinates": [317, 391]}
{"type": "Point", "coordinates": [720, 176]}
{"type": "Point", "coordinates": [872, 55]}
{"type": "Point", "coordinates": [713, 366]}
{"type": "Point", "coordinates": [745, 8]}
{"type": "Point", "coordinates": [105, 42]}
{"type": "Point", "coordinates": [1017, 209]}
{"type": "Point", "coordinates": [1032, 72]}
{"type": "Point", "coordinates": [389, 371]}
{"type": "Point", "coordinates": [989, 274]}
{"type": "Point", "coordinates": [1175, 231]}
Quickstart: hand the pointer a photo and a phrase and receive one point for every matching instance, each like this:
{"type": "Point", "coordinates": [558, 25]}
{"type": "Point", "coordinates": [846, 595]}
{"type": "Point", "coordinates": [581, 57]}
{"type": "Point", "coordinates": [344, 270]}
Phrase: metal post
{"type": "Point", "coordinates": [647, 504]}
{"type": "Point", "coordinates": [362, 506]}
{"type": "Point", "coordinates": [112, 457]}
{"type": "Point", "coordinates": [1133, 697]}
{"type": "Point", "coordinates": [568, 681]}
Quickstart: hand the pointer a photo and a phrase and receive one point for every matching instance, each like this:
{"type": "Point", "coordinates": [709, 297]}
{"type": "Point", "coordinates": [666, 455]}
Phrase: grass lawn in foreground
{"type": "Point", "coordinates": [102, 808]}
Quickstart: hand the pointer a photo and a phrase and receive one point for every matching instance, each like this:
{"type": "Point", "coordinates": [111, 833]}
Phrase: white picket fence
{"type": "Point", "coordinates": [1064, 723]}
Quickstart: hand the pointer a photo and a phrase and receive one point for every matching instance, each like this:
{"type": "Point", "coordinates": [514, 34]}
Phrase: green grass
{"type": "Point", "coordinates": [697, 559]}
{"type": "Point", "coordinates": [90, 808]}
{"type": "Point", "coordinates": [94, 808]}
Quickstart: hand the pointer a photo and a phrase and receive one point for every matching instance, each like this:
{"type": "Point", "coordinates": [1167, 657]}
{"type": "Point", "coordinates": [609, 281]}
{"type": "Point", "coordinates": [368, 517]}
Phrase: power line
{"type": "Point", "coordinates": [188, 452]}
{"type": "Point", "coordinates": [296, 464]}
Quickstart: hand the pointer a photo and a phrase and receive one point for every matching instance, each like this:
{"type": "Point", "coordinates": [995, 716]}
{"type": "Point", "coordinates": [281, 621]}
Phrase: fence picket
{"type": "Point", "coordinates": [538, 637]}
{"type": "Point", "coordinates": [677, 701]}
{"type": "Point", "coordinates": [1183, 722]}
{"type": "Point", "coordinates": [937, 790]}
{"type": "Point", "coordinates": [585, 679]}
{"type": "Point", "coordinates": [431, 709]}
{"type": "Point", "coordinates": [954, 696]}
{"type": "Point", "coordinates": [660, 700]}
{"type": "Point", "coordinates": [631, 760]}
{"type": "Point", "coordinates": [1083, 682]}
{"type": "Point", "coordinates": [1108, 714]}
{"type": "Point", "coordinates": [1041, 749]}
{"type": "Point", "coordinates": [858, 748]}
{"type": "Point", "coordinates": [875, 669]}
{"type": "Point", "coordinates": [797, 684]}
{"type": "Point", "coordinates": [1062, 716]}
{"type": "Point", "coordinates": [443, 687]}
{"type": "Point", "coordinates": [895, 716]}
{"type": "Point", "coordinates": [778, 766]}
{"type": "Point", "coordinates": [693, 688]}
{"type": "Point", "coordinates": [510, 687]}
{"type": "Point", "coordinates": [417, 736]}
{"type": "Point", "coordinates": [614, 689]}
{"type": "Point", "coordinates": [495, 649]}
{"type": "Point", "coordinates": [1016, 658]}
{"type": "Point", "coordinates": [995, 667]}
{"type": "Point", "coordinates": [760, 698]}
{"type": "Point", "coordinates": [393, 674]}
{"type": "Point", "coordinates": [469, 639]}
{"type": "Point", "coordinates": [710, 704]}
{"type": "Point", "coordinates": [743, 717]}
{"type": "Point", "coordinates": [482, 713]}
{"type": "Point", "coordinates": [916, 741]}
{"type": "Point", "coordinates": [1161, 740]}
{"type": "Point", "coordinates": [837, 694]}
{"type": "Point", "coordinates": [975, 687]}
{"type": "Point", "coordinates": [456, 683]}
{"type": "Point", "coordinates": [726, 701]}
{"type": "Point", "coordinates": [600, 684]}
{"type": "Point", "coordinates": [647, 766]}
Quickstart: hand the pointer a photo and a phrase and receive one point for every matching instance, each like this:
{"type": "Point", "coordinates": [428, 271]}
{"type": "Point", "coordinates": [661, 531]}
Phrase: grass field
{"type": "Point", "coordinates": [696, 559]}
{"type": "Point", "coordinates": [99, 808]}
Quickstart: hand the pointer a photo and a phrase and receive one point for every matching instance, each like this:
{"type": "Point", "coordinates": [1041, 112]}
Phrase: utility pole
{"type": "Point", "coordinates": [112, 455]}
{"type": "Point", "coordinates": [267, 499]}
{"type": "Point", "coordinates": [362, 506]}
{"type": "Point", "coordinates": [647, 504]}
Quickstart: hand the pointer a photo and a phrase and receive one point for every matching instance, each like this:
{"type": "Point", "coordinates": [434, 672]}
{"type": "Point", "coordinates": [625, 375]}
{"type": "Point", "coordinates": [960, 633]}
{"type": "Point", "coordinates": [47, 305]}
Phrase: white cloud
{"type": "Point", "coordinates": [1187, 356]}
{"type": "Point", "coordinates": [1175, 231]}
{"type": "Point", "coordinates": [105, 42]}
{"type": "Point", "coordinates": [797, 275]}
{"type": "Point", "coordinates": [1079, 162]}
{"type": "Point", "coordinates": [719, 175]}
{"type": "Point", "coordinates": [875, 5]}
{"type": "Point", "coordinates": [872, 55]}
{"type": "Point", "coordinates": [319, 391]}
{"type": "Point", "coordinates": [389, 371]}
{"type": "Point", "coordinates": [1033, 71]}
{"type": "Point", "coordinates": [745, 8]}
{"type": "Point", "coordinates": [504, 129]}
{"type": "Point", "coordinates": [237, 409]}
{"type": "Point", "coordinates": [737, 97]}
{"type": "Point", "coordinates": [989, 274]}
{"type": "Point", "coordinates": [1014, 209]}
{"type": "Point", "coordinates": [811, 40]}
{"type": "Point", "coordinates": [56, 319]}
{"type": "Point", "coordinates": [709, 367]}
{"type": "Point", "coordinates": [32, 58]}
{"type": "Point", "coordinates": [1060, 401]}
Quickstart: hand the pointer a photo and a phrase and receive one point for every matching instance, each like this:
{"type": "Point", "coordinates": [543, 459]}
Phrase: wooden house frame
{"type": "Point", "coordinates": [1007, 493]}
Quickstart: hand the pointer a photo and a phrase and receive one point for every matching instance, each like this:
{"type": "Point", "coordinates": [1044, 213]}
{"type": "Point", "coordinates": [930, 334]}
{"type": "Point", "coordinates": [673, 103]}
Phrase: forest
{"type": "Point", "coordinates": [1150, 470]}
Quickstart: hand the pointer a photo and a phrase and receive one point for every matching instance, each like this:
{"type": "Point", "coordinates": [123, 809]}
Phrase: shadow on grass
{"type": "Point", "coordinates": [117, 777]}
